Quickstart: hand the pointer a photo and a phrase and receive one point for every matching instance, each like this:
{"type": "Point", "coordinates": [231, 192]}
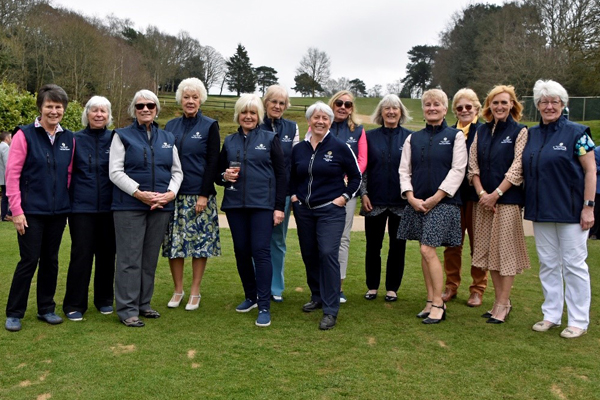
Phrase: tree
{"type": "Point", "coordinates": [358, 88]}
{"type": "Point", "coordinates": [332, 86]}
{"type": "Point", "coordinates": [214, 66]}
{"type": "Point", "coordinates": [240, 74]}
{"type": "Point", "coordinates": [306, 85]}
{"type": "Point", "coordinates": [265, 77]}
{"type": "Point", "coordinates": [395, 87]}
{"type": "Point", "coordinates": [315, 64]}
{"type": "Point", "coordinates": [419, 75]}
{"type": "Point", "coordinates": [375, 91]}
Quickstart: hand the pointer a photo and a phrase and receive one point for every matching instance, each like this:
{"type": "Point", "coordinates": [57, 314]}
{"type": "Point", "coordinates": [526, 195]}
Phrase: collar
{"type": "Point", "coordinates": [38, 124]}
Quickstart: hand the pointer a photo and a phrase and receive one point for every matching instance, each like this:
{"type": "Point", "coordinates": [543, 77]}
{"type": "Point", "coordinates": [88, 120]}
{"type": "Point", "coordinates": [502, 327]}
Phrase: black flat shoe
{"type": "Point", "coordinates": [133, 322]}
{"type": "Point", "coordinates": [370, 296]}
{"type": "Point", "coordinates": [501, 308]}
{"type": "Point", "coordinates": [390, 298]}
{"type": "Point", "coordinates": [149, 313]}
{"type": "Point", "coordinates": [312, 306]}
{"type": "Point", "coordinates": [429, 321]}
{"type": "Point", "coordinates": [327, 322]}
{"type": "Point", "coordinates": [424, 314]}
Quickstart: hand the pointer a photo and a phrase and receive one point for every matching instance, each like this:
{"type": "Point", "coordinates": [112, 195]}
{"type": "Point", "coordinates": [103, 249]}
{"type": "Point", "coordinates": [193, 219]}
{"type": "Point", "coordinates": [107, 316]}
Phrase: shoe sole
{"type": "Point", "coordinates": [326, 328]}
{"type": "Point", "coordinates": [12, 329]}
{"type": "Point", "coordinates": [75, 319]}
{"type": "Point", "coordinates": [244, 310]}
{"type": "Point", "coordinates": [106, 312]}
{"type": "Point", "coordinates": [343, 301]}
{"type": "Point", "coordinates": [262, 325]}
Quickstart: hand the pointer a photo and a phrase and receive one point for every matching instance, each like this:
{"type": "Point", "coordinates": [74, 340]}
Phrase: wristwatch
{"type": "Point", "coordinates": [590, 203]}
{"type": "Point", "coordinates": [500, 192]}
{"type": "Point", "coordinates": [346, 197]}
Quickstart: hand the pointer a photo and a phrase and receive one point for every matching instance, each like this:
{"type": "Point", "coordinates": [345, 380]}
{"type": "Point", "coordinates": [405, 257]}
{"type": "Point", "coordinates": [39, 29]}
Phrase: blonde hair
{"type": "Point", "coordinates": [353, 122]}
{"type": "Point", "coordinates": [435, 94]}
{"type": "Point", "coordinates": [516, 111]}
{"type": "Point", "coordinates": [469, 94]}
{"type": "Point", "coordinates": [249, 101]}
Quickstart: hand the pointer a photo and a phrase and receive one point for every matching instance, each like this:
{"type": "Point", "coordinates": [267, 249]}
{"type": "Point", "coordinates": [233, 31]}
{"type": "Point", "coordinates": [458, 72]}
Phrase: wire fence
{"type": "Point", "coordinates": [579, 109]}
{"type": "Point", "coordinates": [231, 104]}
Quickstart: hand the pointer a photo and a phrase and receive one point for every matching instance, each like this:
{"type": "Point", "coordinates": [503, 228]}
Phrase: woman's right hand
{"type": "Point", "coordinates": [147, 198]}
{"type": "Point", "coordinates": [231, 175]}
{"type": "Point", "coordinates": [20, 223]}
{"type": "Point", "coordinates": [417, 204]}
{"type": "Point", "coordinates": [366, 204]}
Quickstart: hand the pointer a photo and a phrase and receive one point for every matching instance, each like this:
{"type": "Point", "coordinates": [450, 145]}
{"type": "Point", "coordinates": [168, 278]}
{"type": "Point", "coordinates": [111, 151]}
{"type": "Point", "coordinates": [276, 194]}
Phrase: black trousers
{"type": "Point", "coordinates": [92, 235]}
{"type": "Point", "coordinates": [374, 232]}
{"type": "Point", "coordinates": [596, 228]}
{"type": "Point", "coordinates": [40, 243]}
{"type": "Point", "coordinates": [4, 211]}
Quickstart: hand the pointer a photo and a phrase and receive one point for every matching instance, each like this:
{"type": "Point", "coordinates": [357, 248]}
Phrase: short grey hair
{"type": "Point", "coordinates": [146, 95]}
{"type": "Point", "coordinates": [191, 85]}
{"type": "Point", "coordinates": [549, 88]}
{"type": "Point", "coordinates": [96, 101]}
{"type": "Point", "coordinates": [277, 90]}
{"type": "Point", "coordinates": [249, 101]}
{"type": "Point", "coordinates": [390, 100]}
{"type": "Point", "coordinates": [319, 106]}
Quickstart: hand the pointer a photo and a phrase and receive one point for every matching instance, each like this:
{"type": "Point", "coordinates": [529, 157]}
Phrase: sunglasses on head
{"type": "Point", "coordinates": [468, 107]}
{"type": "Point", "coordinates": [140, 106]}
{"type": "Point", "coordinates": [339, 103]}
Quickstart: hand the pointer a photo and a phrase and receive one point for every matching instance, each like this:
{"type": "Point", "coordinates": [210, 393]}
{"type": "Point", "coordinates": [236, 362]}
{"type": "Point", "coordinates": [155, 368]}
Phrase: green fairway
{"type": "Point", "coordinates": [378, 350]}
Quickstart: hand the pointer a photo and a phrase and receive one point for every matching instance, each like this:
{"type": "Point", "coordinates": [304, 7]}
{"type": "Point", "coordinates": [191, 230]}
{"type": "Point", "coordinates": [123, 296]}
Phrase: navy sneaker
{"type": "Point", "coordinates": [75, 316]}
{"type": "Point", "coordinates": [343, 298]}
{"type": "Point", "coordinates": [246, 305]}
{"type": "Point", "coordinates": [106, 310]}
{"type": "Point", "coordinates": [50, 318]}
{"type": "Point", "coordinates": [264, 318]}
{"type": "Point", "coordinates": [13, 324]}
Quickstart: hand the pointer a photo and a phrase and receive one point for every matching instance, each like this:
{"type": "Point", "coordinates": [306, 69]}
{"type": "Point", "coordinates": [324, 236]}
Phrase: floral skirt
{"type": "Point", "coordinates": [192, 234]}
{"type": "Point", "coordinates": [439, 227]}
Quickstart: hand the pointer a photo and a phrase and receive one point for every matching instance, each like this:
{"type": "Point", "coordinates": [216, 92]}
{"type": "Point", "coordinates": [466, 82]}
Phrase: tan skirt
{"type": "Point", "coordinates": [499, 240]}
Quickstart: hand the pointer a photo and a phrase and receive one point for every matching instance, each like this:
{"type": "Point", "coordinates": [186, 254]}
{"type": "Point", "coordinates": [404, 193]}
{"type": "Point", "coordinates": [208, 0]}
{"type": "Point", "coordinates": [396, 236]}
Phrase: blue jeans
{"type": "Point", "coordinates": [319, 233]}
{"type": "Point", "coordinates": [278, 249]}
{"type": "Point", "coordinates": [251, 230]}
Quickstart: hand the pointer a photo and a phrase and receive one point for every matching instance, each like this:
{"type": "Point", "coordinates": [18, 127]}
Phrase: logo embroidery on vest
{"type": "Point", "coordinates": [166, 145]}
{"type": "Point", "coordinates": [560, 147]}
{"type": "Point", "coordinates": [260, 147]}
{"type": "Point", "coordinates": [444, 142]}
{"type": "Point", "coordinates": [329, 156]}
{"type": "Point", "coordinates": [286, 139]}
{"type": "Point", "coordinates": [64, 147]}
{"type": "Point", "coordinates": [508, 140]}
{"type": "Point", "coordinates": [351, 140]}
{"type": "Point", "coordinates": [196, 135]}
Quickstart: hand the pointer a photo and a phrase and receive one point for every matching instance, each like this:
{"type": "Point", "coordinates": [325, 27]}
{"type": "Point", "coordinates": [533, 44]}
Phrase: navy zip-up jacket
{"type": "Point", "coordinates": [91, 189]}
{"type": "Point", "coordinates": [384, 152]}
{"type": "Point", "coordinates": [45, 174]}
{"type": "Point", "coordinates": [431, 156]}
{"type": "Point", "coordinates": [148, 162]}
{"type": "Point", "coordinates": [197, 140]}
{"type": "Point", "coordinates": [317, 176]}
{"type": "Point", "coordinates": [554, 177]}
{"type": "Point", "coordinates": [495, 155]}
{"type": "Point", "coordinates": [286, 131]}
{"type": "Point", "coordinates": [261, 182]}
{"type": "Point", "coordinates": [467, 192]}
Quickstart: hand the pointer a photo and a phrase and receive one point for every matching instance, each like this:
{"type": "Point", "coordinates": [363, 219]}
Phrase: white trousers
{"type": "Point", "coordinates": [562, 250]}
{"type": "Point", "coordinates": [345, 242]}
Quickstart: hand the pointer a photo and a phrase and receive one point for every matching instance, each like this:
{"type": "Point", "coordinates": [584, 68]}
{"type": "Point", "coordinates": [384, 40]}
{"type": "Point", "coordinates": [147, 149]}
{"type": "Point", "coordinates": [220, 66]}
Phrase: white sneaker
{"type": "Point", "coordinates": [543, 326]}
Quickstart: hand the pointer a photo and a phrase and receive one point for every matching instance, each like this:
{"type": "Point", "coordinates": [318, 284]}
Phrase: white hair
{"type": "Point", "coordinates": [390, 100]}
{"type": "Point", "coordinates": [146, 95]}
{"type": "Point", "coordinates": [549, 88]}
{"type": "Point", "coordinates": [96, 101]}
{"type": "Point", "coordinates": [319, 106]}
{"type": "Point", "coordinates": [191, 85]}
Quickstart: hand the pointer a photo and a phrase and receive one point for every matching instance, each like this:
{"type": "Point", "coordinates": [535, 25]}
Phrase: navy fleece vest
{"type": "Point", "coordinates": [91, 189]}
{"type": "Point", "coordinates": [431, 158]}
{"type": "Point", "coordinates": [192, 150]}
{"type": "Point", "coordinates": [495, 154]}
{"type": "Point", "coordinates": [255, 187]}
{"type": "Point", "coordinates": [384, 152]}
{"type": "Point", "coordinates": [554, 179]}
{"type": "Point", "coordinates": [467, 192]}
{"type": "Point", "coordinates": [148, 162]}
{"type": "Point", "coordinates": [44, 178]}
{"type": "Point", "coordinates": [341, 130]}
{"type": "Point", "coordinates": [286, 130]}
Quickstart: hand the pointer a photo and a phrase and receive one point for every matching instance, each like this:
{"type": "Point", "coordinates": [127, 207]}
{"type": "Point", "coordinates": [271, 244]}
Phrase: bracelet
{"type": "Point", "coordinates": [481, 193]}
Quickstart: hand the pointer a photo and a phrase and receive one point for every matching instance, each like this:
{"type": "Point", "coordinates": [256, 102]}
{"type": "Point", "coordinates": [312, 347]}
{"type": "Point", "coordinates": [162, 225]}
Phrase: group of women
{"type": "Point", "coordinates": [131, 190]}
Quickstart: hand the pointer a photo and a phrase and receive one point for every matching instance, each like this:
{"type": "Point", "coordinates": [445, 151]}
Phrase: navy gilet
{"type": "Point", "coordinates": [341, 130]}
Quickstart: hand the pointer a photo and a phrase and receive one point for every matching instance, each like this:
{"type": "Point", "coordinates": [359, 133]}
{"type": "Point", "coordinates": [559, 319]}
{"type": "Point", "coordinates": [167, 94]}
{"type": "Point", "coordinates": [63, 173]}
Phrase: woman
{"type": "Point", "coordinates": [495, 169]}
{"type": "Point", "coordinates": [253, 201]}
{"type": "Point", "coordinates": [193, 230]}
{"type": "Point", "coordinates": [560, 179]}
{"type": "Point", "coordinates": [5, 139]}
{"type": "Point", "coordinates": [39, 200]}
{"type": "Point", "coordinates": [432, 169]}
{"type": "Point", "coordinates": [381, 201]}
{"type": "Point", "coordinates": [319, 196]}
{"type": "Point", "coordinates": [346, 128]}
{"type": "Point", "coordinates": [91, 222]}
{"type": "Point", "coordinates": [595, 231]}
{"type": "Point", "coordinates": [145, 168]}
{"type": "Point", "coordinates": [276, 101]}
{"type": "Point", "coordinates": [466, 107]}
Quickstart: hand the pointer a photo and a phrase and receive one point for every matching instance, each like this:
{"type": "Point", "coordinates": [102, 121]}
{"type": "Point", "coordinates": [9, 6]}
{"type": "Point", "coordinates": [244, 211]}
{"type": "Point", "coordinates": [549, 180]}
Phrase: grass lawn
{"type": "Point", "coordinates": [377, 350]}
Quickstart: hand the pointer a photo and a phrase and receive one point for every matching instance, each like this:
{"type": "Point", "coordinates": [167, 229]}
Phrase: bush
{"type": "Point", "coordinates": [17, 107]}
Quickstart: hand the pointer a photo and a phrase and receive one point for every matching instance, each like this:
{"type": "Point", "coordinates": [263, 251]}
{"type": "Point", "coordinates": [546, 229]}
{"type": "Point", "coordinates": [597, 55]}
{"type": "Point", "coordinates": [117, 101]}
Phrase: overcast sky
{"type": "Point", "coordinates": [365, 39]}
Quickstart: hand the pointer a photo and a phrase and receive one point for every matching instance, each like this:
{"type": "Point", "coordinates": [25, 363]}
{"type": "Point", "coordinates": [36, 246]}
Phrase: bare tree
{"type": "Point", "coordinates": [316, 64]}
{"type": "Point", "coordinates": [375, 91]}
{"type": "Point", "coordinates": [214, 66]}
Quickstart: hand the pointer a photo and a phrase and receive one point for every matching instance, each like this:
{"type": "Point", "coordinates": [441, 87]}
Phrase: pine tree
{"type": "Point", "coordinates": [240, 74]}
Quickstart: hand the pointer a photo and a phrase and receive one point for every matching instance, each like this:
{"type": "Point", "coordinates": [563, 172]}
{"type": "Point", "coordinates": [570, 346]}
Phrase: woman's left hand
{"type": "Point", "coordinates": [278, 217]}
{"type": "Point", "coordinates": [488, 201]}
{"type": "Point", "coordinates": [161, 199]}
{"type": "Point", "coordinates": [201, 204]}
{"type": "Point", "coordinates": [587, 218]}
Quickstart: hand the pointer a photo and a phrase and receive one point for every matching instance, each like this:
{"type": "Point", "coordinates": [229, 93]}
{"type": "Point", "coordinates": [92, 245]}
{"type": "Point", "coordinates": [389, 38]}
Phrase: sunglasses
{"type": "Point", "coordinates": [339, 103]}
{"type": "Point", "coordinates": [140, 106]}
{"type": "Point", "coordinates": [468, 107]}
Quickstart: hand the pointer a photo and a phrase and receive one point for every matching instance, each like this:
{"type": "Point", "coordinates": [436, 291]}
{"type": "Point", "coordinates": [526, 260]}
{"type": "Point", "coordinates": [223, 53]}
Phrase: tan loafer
{"type": "Point", "coordinates": [572, 332]}
{"type": "Point", "coordinates": [543, 326]}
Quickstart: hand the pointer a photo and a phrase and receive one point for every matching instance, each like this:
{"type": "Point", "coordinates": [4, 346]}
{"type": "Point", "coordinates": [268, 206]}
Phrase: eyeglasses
{"type": "Point", "coordinates": [467, 107]}
{"type": "Point", "coordinates": [554, 103]}
{"type": "Point", "coordinates": [339, 103]}
{"type": "Point", "coordinates": [140, 106]}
